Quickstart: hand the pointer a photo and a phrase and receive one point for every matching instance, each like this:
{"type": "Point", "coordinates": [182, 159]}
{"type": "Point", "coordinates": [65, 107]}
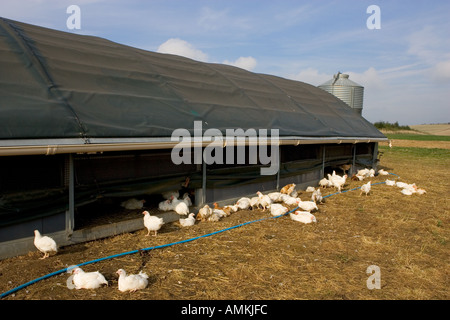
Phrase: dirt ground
{"type": "Point", "coordinates": [407, 237]}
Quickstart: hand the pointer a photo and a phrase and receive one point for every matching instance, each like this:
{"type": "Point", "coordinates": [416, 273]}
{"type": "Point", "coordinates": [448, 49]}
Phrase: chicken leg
{"type": "Point", "coordinates": [46, 255]}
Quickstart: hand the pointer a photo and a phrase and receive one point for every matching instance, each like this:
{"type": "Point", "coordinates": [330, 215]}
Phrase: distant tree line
{"type": "Point", "coordinates": [390, 126]}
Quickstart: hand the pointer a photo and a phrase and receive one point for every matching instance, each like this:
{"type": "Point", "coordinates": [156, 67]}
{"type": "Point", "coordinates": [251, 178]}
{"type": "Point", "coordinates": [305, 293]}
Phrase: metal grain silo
{"type": "Point", "coordinates": [345, 89]}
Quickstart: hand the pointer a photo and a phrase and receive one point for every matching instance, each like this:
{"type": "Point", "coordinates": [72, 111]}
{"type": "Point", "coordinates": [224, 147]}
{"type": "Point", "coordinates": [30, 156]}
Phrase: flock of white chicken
{"type": "Point", "coordinates": [276, 203]}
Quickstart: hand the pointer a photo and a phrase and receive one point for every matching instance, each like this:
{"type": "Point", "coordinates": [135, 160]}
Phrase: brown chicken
{"type": "Point", "coordinates": [345, 167]}
{"type": "Point", "coordinates": [288, 189]}
{"type": "Point", "coordinates": [226, 210]}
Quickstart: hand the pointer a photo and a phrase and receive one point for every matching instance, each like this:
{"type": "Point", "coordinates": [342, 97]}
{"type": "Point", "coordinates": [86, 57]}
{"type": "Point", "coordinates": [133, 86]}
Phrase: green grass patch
{"type": "Point", "coordinates": [417, 137]}
{"type": "Point", "coordinates": [432, 153]}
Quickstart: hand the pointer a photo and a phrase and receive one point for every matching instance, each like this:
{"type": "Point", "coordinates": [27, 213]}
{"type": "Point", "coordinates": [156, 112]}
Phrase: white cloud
{"type": "Point", "coordinates": [425, 44]}
{"type": "Point", "coordinates": [368, 79]}
{"type": "Point", "coordinates": [441, 71]}
{"type": "Point", "coordinates": [247, 63]}
{"type": "Point", "coordinates": [431, 48]}
{"type": "Point", "coordinates": [311, 76]}
{"type": "Point", "coordinates": [182, 48]}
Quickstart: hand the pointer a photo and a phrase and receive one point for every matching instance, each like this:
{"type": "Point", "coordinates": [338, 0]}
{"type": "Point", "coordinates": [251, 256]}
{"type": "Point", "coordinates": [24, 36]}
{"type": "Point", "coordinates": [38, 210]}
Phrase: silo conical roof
{"type": "Point", "coordinates": [341, 79]}
{"type": "Point", "coordinates": [345, 89]}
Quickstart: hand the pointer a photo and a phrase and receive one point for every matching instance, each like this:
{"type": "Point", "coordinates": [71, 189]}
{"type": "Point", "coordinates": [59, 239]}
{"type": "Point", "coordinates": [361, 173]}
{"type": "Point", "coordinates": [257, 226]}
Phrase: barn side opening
{"type": "Point", "coordinates": [33, 195]}
{"type": "Point", "coordinates": [348, 158]}
{"type": "Point", "coordinates": [34, 190]}
{"type": "Point", "coordinates": [36, 187]}
{"type": "Point", "coordinates": [108, 179]}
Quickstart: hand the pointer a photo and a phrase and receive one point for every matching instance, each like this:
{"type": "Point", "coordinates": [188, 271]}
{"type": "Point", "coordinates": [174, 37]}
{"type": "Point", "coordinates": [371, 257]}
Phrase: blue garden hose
{"type": "Point", "coordinates": [158, 247]}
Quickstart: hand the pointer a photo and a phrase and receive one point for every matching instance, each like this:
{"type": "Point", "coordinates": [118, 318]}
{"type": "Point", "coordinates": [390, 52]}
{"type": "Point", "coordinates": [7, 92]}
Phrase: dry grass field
{"type": "Point", "coordinates": [437, 129]}
{"type": "Point", "coordinates": [418, 144]}
{"type": "Point", "coordinates": [422, 136]}
{"type": "Point", "coordinates": [407, 237]}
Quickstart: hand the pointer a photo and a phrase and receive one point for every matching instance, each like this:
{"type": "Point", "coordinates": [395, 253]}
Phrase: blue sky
{"type": "Point", "coordinates": [404, 66]}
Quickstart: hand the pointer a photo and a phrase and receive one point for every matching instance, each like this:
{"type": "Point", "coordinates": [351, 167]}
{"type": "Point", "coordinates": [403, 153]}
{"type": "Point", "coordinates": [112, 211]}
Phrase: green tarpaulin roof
{"type": "Point", "coordinates": [59, 85]}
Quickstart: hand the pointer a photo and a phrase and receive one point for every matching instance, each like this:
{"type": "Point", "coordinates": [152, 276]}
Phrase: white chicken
{"type": "Point", "coordinates": [231, 208]}
{"type": "Point", "coordinates": [187, 199]}
{"type": "Point", "coordinates": [275, 196]}
{"type": "Point", "coordinates": [288, 200]}
{"type": "Point", "coordinates": [216, 215]}
{"type": "Point", "coordinates": [358, 178]}
{"type": "Point", "coordinates": [407, 192]}
{"type": "Point", "coordinates": [152, 223]}
{"type": "Point", "coordinates": [44, 244]}
{"type": "Point", "coordinates": [317, 196]}
{"type": "Point", "coordinates": [363, 173]}
{"type": "Point", "coordinates": [365, 188]}
{"type": "Point", "coordinates": [133, 204]}
{"type": "Point", "coordinates": [307, 205]}
{"type": "Point", "coordinates": [421, 191]}
{"type": "Point", "coordinates": [204, 213]}
{"type": "Point", "coordinates": [390, 182]}
{"type": "Point", "coordinates": [254, 203]}
{"type": "Point", "coordinates": [277, 209]}
{"type": "Point", "coordinates": [189, 221]}
{"type": "Point", "coordinates": [310, 189]}
{"type": "Point", "coordinates": [401, 185]}
{"type": "Point", "coordinates": [87, 280]}
{"type": "Point", "coordinates": [325, 183]}
{"type": "Point", "coordinates": [220, 213]}
{"type": "Point", "coordinates": [221, 210]}
{"type": "Point", "coordinates": [264, 200]}
{"type": "Point", "coordinates": [180, 207]}
{"type": "Point", "coordinates": [165, 205]}
{"type": "Point", "coordinates": [337, 181]}
{"type": "Point", "coordinates": [302, 216]}
{"type": "Point", "coordinates": [409, 189]}
{"type": "Point", "coordinates": [243, 203]}
{"type": "Point", "coordinates": [132, 282]}
{"type": "Point", "coordinates": [383, 172]}
{"type": "Point", "coordinates": [213, 218]}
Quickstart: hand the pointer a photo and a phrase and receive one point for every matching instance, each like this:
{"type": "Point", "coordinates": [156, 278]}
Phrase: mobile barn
{"type": "Point", "coordinates": [86, 123]}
